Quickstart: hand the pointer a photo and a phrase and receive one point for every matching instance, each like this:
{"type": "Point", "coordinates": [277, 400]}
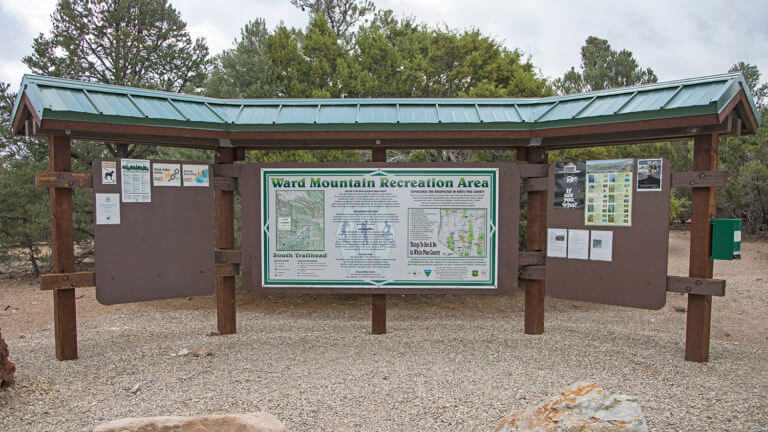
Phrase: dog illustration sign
{"type": "Point", "coordinates": [108, 169]}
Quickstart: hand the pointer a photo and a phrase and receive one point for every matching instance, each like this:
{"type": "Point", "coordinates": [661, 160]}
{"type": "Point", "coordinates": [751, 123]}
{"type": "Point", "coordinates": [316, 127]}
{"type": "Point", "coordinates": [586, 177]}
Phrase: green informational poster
{"type": "Point", "coordinates": [609, 192]}
{"type": "Point", "coordinates": [372, 227]}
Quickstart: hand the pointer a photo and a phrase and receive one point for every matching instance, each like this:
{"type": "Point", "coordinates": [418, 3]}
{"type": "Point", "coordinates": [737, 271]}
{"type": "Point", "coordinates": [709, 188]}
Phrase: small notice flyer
{"type": "Point", "coordinates": [601, 247]}
{"type": "Point", "coordinates": [134, 174]}
{"type": "Point", "coordinates": [108, 176]}
{"type": "Point", "coordinates": [649, 175]}
{"type": "Point", "coordinates": [578, 244]}
{"type": "Point", "coordinates": [557, 242]}
{"type": "Point", "coordinates": [165, 174]}
{"type": "Point", "coordinates": [196, 175]}
{"type": "Point", "coordinates": [107, 209]}
{"type": "Point", "coordinates": [609, 192]}
{"type": "Point", "coordinates": [569, 184]}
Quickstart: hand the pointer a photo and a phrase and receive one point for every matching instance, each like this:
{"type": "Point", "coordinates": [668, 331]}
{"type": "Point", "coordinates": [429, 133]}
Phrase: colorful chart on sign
{"type": "Point", "coordinates": [396, 227]}
{"type": "Point", "coordinates": [609, 192]}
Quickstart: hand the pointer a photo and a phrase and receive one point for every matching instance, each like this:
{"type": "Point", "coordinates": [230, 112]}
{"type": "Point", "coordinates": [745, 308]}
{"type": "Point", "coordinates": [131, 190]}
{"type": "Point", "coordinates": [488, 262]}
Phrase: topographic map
{"type": "Point", "coordinates": [463, 231]}
{"type": "Point", "coordinates": [300, 220]}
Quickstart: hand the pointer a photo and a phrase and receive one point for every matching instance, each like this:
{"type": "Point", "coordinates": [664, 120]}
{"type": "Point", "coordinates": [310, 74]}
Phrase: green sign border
{"type": "Point", "coordinates": [266, 282]}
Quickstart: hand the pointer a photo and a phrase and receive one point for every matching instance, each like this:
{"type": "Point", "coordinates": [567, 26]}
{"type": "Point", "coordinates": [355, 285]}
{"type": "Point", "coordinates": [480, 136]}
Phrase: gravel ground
{"type": "Point", "coordinates": [447, 364]}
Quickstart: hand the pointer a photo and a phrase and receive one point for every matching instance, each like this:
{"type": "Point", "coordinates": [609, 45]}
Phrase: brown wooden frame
{"type": "Point", "coordinates": [532, 147]}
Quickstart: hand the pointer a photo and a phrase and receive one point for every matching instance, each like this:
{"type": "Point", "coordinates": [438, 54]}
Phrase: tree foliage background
{"type": "Point", "coordinates": [349, 48]}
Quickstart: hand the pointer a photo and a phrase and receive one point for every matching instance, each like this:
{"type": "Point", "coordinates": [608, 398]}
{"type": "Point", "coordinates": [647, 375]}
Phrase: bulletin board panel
{"type": "Point", "coordinates": [507, 230]}
{"type": "Point", "coordinates": [160, 249]}
{"type": "Point", "coordinates": [637, 275]}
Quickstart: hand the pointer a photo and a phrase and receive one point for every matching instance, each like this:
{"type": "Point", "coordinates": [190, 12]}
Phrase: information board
{"type": "Point", "coordinates": [377, 228]}
{"type": "Point", "coordinates": [153, 236]}
{"type": "Point", "coordinates": [613, 250]}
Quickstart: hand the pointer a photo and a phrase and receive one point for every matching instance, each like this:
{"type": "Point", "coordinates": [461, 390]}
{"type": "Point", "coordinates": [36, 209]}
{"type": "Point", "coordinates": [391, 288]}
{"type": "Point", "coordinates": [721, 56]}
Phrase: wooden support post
{"type": "Point", "coordinates": [535, 240]}
{"type": "Point", "coordinates": [379, 301]}
{"type": "Point", "coordinates": [226, 313]}
{"type": "Point", "coordinates": [700, 265]}
{"type": "Point", "coordinates": [62, 251]}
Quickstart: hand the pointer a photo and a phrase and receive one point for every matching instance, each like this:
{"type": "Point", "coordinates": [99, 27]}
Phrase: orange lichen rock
{"type": "Point", "coordinates": [580, 407]}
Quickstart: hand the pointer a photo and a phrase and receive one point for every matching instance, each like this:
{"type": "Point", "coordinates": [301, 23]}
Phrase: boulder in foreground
{"type": "Point", "coordinates": [252, 422]}
{"type": "Point", "coordinates": [582, 407]}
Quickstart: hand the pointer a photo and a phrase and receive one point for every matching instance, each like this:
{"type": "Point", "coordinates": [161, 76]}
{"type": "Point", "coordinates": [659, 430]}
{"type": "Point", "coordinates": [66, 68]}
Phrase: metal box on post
{"type": "Point", "coordinates": [726, 239]}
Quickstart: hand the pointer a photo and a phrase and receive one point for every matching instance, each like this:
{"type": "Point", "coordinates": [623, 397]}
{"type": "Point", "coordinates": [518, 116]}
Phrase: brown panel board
{"type": "Point", "coordinates": [162, 249]}
{"type": "Point", "coordinates": [508, 248]}
{"type": "Point", "coordinates": [637, 276]}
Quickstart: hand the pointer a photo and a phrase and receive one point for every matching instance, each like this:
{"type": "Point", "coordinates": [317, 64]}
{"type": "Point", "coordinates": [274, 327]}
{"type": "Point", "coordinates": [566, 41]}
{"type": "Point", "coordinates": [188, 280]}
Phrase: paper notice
{"type": "Point", "coordinates": [108, 176]}
{"type": "Point", "coordinates": [134, 174]}
{"type": "Point", "coordinates": [569, 184]}
{"type": "Point", "coordinates": [649, 174]}
{"type": "Point", "coordinates": [609, 192]}
{"type": "Point", "coordinates": [556, 242]}
{"type": "Point", "coordinates": [107, 209]}
{"type": "Point", "coordinates": [164, 174]}
{"type": "Point", "coordinates": [196, 175]}
{"type": "Point", "coordinates": [578, 244]}
{"type": "Point", "coordinates": [601, 247]}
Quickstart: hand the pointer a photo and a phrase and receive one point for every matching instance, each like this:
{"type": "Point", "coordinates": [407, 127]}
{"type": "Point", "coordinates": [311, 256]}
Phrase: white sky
{"type": "Point", "coordinates": [678, 39]}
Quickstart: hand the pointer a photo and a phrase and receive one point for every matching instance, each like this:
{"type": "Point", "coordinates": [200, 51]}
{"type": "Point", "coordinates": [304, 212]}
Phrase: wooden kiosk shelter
{"type": "Point", "coordinates": [703, 109]}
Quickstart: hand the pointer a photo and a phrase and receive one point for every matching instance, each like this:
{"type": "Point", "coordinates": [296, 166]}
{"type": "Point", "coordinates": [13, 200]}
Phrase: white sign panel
{"type": "Point", "coordinates": [578, 244]}
{"type": "Point", "coordinates": [107, 209]}
{"type": "Point", "coordinates": [557, 241]}
{"type": "Point", "coordinates": [388, 228]}
{"type": "Point", "coordinates": [134, 175]}
{"type": "Point", "coordinates": [196, 175]}
{"type": "Point", "coordinates": [601, 247]}
{"type": "Point", "coordinates": [165, 174]}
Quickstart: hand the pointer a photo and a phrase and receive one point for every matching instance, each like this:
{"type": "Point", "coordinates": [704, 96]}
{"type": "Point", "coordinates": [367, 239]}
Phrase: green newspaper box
{"type": "Point", "coordinates": [726, 239]}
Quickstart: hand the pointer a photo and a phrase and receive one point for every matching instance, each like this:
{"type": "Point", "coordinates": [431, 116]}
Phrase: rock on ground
{"type": "Point", "coordinates": [252, 422]}
{"type": "Point", "coordinates": [7, 368]}
{"type": "Point", "coordinates": [582, 407]}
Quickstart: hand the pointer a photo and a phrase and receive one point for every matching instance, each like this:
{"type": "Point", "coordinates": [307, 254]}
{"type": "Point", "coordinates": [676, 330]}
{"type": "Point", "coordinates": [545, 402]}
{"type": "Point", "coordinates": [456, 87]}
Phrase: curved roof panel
{"type": "Point", "coordinates": [63, 99]}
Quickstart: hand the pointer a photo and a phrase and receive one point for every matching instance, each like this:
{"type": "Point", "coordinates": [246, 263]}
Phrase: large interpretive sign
{"type": "Point", "coordinates": [372, 227]}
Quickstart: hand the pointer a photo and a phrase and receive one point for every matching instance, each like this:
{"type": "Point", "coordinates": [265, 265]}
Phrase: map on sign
{"type": "Point", "coordinates": [463, 231]}
{"type": "Point", "coordinates": [300, 220]}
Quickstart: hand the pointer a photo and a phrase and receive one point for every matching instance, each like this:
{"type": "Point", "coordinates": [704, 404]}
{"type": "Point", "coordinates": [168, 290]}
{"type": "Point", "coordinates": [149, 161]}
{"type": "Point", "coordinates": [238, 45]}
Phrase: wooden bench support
{"type": "Point", "coordinates": [701, 286]}
{"type": "Point", "coordinates": [63, 179]}
{"type": "Point", "coordinates": [700, 178]}
{"type": "Point", "coordinates": [58, 281]}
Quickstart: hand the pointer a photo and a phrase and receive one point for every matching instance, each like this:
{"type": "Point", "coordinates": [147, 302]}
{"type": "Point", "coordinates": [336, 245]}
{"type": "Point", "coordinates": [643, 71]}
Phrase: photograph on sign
{"type": "Point", "coordinates": [601, 246]}
{"type": "Point", "coordinates": [609, 192]}
{"type": "Point", "coordinates": [165, 174]}
{"type": "Point", "coordinates": [380, 228]}
{"type": "Point", "coordinates": [649, 175]}
{"type": "Point", "coordinates": [135, 174]}
{"type": "Point", "coordinates": [108, 169]}
{"type": "Point", "coordinates": [578, 244]}
{"type": "Point", "coordinates": [107, 206]}
{"type": "Point", "coordinates": [196, 175]}
{"type": "Point", "coordinates": [569, 184]}
{"type": "Point", "coordinates": [557, 241]}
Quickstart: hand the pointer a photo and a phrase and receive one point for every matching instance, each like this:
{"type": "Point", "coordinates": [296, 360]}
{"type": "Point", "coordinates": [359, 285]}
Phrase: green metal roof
{"type": "Point", "coordinates": [63, 99]}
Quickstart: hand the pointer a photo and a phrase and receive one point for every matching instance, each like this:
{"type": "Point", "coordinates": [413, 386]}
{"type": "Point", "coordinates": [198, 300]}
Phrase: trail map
{"type": "Point", "coordinates": [300, 220]}
{"type": "Point", "coordinates": [463, 231]}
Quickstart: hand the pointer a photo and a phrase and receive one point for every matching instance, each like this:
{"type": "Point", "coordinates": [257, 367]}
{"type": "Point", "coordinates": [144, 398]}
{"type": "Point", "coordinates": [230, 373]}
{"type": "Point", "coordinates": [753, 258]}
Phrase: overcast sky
{"type": "Point", "coordinates": [678, 39]}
